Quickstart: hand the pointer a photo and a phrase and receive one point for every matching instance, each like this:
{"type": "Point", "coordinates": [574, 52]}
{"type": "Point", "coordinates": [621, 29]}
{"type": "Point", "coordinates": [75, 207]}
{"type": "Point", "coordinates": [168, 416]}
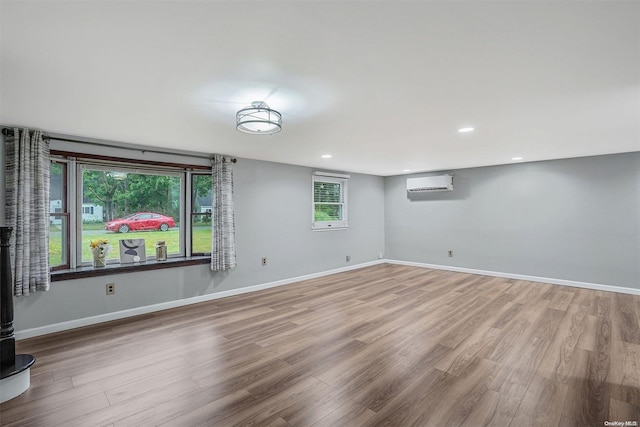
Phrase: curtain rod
{"type": "Point", "coordinates": [9, 132]}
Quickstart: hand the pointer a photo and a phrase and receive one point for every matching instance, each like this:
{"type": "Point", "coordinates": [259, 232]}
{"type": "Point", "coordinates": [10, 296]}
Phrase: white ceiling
{"type": "Point", "coordinates": [382, 86]}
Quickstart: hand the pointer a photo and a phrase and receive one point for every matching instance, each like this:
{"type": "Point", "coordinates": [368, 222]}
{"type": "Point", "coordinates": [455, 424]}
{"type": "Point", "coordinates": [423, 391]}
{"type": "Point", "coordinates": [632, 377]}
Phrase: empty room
{"type": "Point", "coordinates": [319, 213]}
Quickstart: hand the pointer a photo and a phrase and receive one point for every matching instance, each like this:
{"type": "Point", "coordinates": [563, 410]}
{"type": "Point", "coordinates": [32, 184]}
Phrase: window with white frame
{"type": "Point", "coordinates": [329, 201]}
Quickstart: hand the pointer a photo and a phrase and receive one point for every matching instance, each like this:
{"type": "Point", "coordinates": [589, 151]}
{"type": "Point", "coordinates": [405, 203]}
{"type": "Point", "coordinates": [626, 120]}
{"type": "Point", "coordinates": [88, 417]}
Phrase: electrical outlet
{"type": "Point", "coordinates": [111, 288]}
{"type": "Point", "coordinates": [264, 261]}
{"type": "Point", "coordinates": [348, 258]}
{"type": "Point", "coordinates": [379, 255]}
{"type": "Point", "coordinates": [450, 254]}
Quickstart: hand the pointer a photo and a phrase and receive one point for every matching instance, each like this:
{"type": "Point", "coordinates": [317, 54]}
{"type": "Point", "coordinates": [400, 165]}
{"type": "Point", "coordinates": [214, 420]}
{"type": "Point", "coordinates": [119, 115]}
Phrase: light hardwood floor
{"type": "Point", "coordinates": [383, 345]}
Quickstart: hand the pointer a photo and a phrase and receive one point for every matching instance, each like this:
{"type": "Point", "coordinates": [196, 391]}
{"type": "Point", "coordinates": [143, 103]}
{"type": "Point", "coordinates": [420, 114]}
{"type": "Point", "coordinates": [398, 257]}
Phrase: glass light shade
{"type": "Point", "coordinates": [258, 119]}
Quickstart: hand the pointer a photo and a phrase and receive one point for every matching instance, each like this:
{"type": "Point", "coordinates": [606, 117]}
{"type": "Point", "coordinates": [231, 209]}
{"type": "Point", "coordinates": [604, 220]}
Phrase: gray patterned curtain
{"type": "Point", "coordinates": [223, 241]}
{"type": "Point", "coordinates": [27, 194]}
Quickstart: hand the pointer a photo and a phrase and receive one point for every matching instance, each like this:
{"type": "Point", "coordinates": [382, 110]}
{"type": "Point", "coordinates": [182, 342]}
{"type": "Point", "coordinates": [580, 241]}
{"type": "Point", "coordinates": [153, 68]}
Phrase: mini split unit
{"type": "Point", "coordinates": [428, 184]}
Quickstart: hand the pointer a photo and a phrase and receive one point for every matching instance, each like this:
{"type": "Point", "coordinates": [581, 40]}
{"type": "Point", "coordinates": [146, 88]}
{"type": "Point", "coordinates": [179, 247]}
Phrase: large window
{"type": "Point", "coordinates": [113, 201]}
{"type": "Point", "coordinates": [329, 201]}
{"type": "Point", "coordinates": [122, 203]}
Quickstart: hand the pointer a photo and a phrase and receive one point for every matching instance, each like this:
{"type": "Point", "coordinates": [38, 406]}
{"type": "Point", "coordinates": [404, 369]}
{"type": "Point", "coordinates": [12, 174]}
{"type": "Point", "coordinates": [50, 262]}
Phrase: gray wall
{"type": "Point", "coordinates": [273, 220]}
{"type": "Point", "coordinates": [574, 219]}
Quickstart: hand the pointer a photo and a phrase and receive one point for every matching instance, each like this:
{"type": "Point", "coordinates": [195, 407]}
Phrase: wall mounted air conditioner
{"type": "Point", "coordinates": [430, 183]}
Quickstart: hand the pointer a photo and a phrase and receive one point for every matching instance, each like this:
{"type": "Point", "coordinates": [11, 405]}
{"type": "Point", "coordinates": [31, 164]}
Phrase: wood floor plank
{"type": "Point", "coordinates": [348, 414]}
{"type": "Point", "coordinates": [391, 380]}
{"type": "Point", "coordinates": [542, 403]}
{"type": "Point", "coordinates": [58, 414]}
{"type": "Point", "coordinates": [483, 412]}
{"type": "Point", "coordinates": [623, 411]}
{"type": "Point", "coordinates": [587, 401]}
{"type": "Point", "coordinates": [560, 360]}
{"type": "Point", "coordinates": [267, 407]}
{"type": "Point", "coordinates": [149, 397]}
{"type": "Point", "coordinates": [457, 400]}
{"type": "Point", "coordinates": [382, 345]}
{"type": "Point", "coordinates": [561, 300]}
{"type": "Point", "coordinates": [624, 372]}
{"type": "Point", "coordinates": [475, 321]}
{"type": "Point", "coordinates": [625, 320]}
{"type": "Point", "coordinates": [414, 405]}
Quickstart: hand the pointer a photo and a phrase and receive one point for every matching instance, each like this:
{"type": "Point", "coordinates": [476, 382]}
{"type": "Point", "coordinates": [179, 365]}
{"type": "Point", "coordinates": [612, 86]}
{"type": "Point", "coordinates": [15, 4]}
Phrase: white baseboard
{"type": "Point", "coordinates": [93, 320]}
{"type": "Point", "coordinates": [586, 285]}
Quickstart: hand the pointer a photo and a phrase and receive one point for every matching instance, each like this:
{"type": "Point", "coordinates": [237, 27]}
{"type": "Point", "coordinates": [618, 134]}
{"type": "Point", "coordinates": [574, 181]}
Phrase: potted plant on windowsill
{"type": "Point", "coordinates": [100, 248]}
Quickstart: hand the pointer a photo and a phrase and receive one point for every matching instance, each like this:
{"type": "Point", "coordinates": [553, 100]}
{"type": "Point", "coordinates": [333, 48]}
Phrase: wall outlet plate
{"type": "Point", "coordinates": [264, 261]}
{"type": "Point", "coordinates": [111, 288]}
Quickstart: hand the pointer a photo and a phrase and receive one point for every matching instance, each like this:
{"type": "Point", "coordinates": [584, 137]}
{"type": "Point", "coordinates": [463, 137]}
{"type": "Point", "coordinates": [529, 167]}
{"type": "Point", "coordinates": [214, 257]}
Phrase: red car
{"type": "Point", "coordinates": [141, 221]}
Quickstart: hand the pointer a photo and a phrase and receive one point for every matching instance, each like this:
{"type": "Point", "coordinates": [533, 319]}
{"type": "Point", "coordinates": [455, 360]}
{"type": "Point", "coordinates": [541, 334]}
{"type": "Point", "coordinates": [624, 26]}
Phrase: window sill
{"type": "Point", "coordinates": [336, 228]}
{"type": "Point", "coordinates": [109, 269]}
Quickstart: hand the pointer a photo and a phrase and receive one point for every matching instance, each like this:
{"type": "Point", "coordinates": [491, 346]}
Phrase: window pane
{"type": "Point", "coordinates": [119, 204]}
{"type": "Point", "coordinates": [58, 245]}
{"type": "Point", "coordinates": [201, 214]}
{"type": "Point", "coordinates": [327, 192]}
{"type": "Point", "coordinates": [201, 234]}
{"type": "Point", "coordinates": [201, 193]}
{"type": "Point", "coordinates": [58, 235]}
{"type": "Point", "coordinates": [56, 187]}
{"type": "Point", "coordinates": [325, 212]}
{"type": "Point", "coordinates": [329, 203]}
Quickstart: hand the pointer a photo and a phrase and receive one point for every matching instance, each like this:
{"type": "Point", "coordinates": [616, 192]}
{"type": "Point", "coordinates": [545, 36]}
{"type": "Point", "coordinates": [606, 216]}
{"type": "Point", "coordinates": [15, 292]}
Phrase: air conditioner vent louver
{"type": "Point", "coordinates": [427, 184]}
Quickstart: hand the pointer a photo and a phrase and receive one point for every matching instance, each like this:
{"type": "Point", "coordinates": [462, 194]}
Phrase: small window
{"type": "Point", "coordinates": [329, 201]}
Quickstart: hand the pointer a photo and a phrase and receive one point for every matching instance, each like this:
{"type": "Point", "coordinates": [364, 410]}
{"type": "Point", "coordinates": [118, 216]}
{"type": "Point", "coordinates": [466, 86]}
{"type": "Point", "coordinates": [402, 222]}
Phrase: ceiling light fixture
{"type": "Point", "coordinates": [326, 156]}
{"type": "Point", "coordinates": [465, 130]}
{"type": "Point", "coordinates": [516, 158]}
{"type": "Point", "coordinates": [258, 119]}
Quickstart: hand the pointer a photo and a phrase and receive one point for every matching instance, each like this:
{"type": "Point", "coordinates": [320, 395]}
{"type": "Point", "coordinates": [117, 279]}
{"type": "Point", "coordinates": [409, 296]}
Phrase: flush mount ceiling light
{"type": "Point", "coordinates": [465, 130]}
{"type": "Point", "coordinates": [258, 119]}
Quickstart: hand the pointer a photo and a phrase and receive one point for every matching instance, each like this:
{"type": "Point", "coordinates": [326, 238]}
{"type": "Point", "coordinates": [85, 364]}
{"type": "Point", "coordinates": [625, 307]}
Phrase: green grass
{"type": "Point", "coordinates": [201, 241]}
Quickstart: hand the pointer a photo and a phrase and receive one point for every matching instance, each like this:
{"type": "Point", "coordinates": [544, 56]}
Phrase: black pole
{"type": "Point", "coordinates": [10, 362]}
{"type": "Point", "coordinates": [7, 339]}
